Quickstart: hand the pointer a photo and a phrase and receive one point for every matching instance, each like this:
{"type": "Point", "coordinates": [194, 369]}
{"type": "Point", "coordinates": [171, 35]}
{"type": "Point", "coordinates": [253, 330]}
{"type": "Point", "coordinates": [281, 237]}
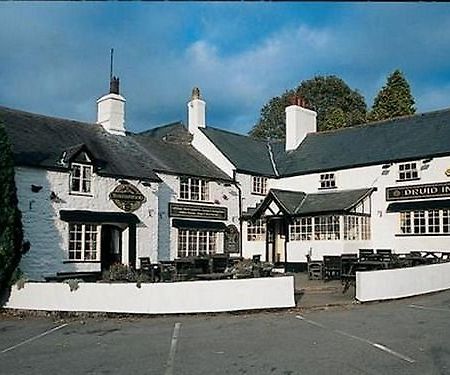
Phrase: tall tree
{"type": "Point", "coordinates": [11, 235]}
{"type": "Point", "coordinates": [394, 99]}
{"type": "Point", "coordinates": [336, 104]}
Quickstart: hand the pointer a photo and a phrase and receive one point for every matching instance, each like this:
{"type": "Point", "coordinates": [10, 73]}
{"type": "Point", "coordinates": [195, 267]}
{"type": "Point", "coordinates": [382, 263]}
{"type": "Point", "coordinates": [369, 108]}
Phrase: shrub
{"type": "Point", "coordinates": [121, 272]}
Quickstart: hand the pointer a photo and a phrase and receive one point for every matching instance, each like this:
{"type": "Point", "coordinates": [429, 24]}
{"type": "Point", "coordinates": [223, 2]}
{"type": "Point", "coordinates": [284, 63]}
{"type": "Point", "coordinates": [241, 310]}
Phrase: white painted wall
{"type": "Point", "coordinates": [403, 282]}
{"type": "Point", "coordinates": [48, 234]}
{"type": "Point", "coordinates": [220, 195]}
{"type": "Point", "coordinates": [157, 298]}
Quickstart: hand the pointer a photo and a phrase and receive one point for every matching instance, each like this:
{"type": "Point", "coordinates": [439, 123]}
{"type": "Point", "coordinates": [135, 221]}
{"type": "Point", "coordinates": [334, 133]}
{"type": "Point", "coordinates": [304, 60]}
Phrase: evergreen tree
{"type": "Point", "coordinates": [10, 217]}
{"type": "Point", "coordinates": [394, 99]}
{"type": "Point", "coordinates": [336, 104]}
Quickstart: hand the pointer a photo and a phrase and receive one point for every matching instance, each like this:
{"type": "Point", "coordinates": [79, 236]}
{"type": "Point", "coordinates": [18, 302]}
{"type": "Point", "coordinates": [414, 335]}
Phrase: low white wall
{"type": "Point", "coordinates": [157, 298]}
{"type": "Point", "coordinates": [403, 282]}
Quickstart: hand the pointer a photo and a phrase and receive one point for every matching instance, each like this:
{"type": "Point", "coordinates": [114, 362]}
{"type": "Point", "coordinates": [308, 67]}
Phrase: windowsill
{"type": "Point", "coordinates": [81, 261]}
{"type": "Point", "coordinates": [194, 201]}
{"type": "Point", "coordinates": [411, 179]}
{"type": "Point", "coordinates": [261, 194]}
{"type": "Point", "coordinates": [76, 193]}
{"type": "Point", "coordinates": [327, 188]}
{"type": "Point", "coordinates": [421, 234]}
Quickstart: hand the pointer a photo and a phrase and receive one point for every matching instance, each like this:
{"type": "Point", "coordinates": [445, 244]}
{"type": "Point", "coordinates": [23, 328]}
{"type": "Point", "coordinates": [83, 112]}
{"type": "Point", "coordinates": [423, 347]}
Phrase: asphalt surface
{"type": "Point", "coordinates": [411, 336]}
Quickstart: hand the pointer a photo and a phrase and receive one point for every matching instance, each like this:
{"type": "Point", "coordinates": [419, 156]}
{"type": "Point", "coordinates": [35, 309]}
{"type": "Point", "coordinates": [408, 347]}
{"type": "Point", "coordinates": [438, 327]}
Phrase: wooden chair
{"type": "Point", "coordinates": [332, 267]}
{"type": "Point", "coordinates": [364, 253]}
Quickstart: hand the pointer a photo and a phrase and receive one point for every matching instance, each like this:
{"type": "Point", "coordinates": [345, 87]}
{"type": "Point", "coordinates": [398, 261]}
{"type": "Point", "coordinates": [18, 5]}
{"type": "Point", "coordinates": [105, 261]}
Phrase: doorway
{"type": "Point", "coordinates": [276, 240]}
{"type": "Point", "coordinates": [111, 246]}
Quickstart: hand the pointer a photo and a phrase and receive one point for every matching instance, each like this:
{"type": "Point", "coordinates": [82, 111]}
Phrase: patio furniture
{"type": "Point", "coordinates": [363, 253]}
{"type": "Point", "coordinates": [331, 267]}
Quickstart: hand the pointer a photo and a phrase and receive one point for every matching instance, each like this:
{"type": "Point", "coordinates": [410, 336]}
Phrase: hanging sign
{"type": "Point", "coordinates": [425, 191]}
{"type": "Point", "coordinates": [127, 197]}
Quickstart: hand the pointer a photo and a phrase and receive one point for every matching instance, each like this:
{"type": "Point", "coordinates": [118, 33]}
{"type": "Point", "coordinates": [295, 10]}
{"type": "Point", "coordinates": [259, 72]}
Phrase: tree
{"type": "Point", "coordinates": [336, 104]}
{"type": "Point", "coordinates": [11, 235]}
{"type": "Point", "coordinates": [394, 99]}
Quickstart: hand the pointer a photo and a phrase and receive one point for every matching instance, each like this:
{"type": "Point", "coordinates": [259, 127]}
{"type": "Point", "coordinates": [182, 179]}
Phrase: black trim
{"type": "Point", "coordinates": [199, 225]}
{"type": "Point", "coordinates": [98, 217]}
{"type": "Point", "coordinates": [418, 205]}
{"type": "Point", "coordinates": [422, 234]}
{"type": "Point", "coordinates": [81, 261]}
{"type": "Point", "coordinates": [411, 179]}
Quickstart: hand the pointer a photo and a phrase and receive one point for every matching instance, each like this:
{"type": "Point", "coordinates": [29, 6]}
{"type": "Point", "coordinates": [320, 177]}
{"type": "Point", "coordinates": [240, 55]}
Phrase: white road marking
{"type": "Point", "coordinates": [173, 348]}
{"type": "Point", "coordinates": [428, 308]}
{"type": "Point", "coordinates": [33, 338]}
{"type": "Point", "coordinates": [373, 344]}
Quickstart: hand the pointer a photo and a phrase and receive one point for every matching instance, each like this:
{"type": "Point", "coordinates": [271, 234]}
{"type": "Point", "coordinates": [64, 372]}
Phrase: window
{"type": "Point", "coordinates": [419, 223]}
{"type": "Point", "coordinates": [301, 229]}
{"type": "Point", "coordinates": [433, 221]}
{"type": "Point", "coordinates": [80, 178]}
{"type": "Point", "coordinates": [351, 228]}
{"type": "Point", "coordinates": [327, 181]}
{"type": "Point", "coordinates": [259, 185]}
{"type": "Point", "coordinates": [405, 222]}
{"type": "Point", "coordinates": [256, 231]}
{"type": "Point", "coordinates": [407, 171]}
{"type": "Point", "coordinates": [446, 221]}
{"type": "Point", "coordinates": [194, 189]}
{"type": "Point", "coordinates": [196, 242]}
{"type": "Point", "coordinates": [365, 228]}
{"type": "Point", "coordinates": [326, 228]}
{"type": "Point", "coordinates": [83, 242]}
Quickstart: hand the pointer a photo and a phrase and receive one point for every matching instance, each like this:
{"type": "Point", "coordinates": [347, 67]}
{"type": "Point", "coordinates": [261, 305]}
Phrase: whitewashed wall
{"type": "Point", "coordinates": [157, 298]}
{"type": "Point", "coordinates": [48, 234]}
{"type": "Point", "coordinates": [403, 282]}
{"type": "Point", "coordinates": [220, 195]}
{"type": "Point", "coordinates": [384, 226]}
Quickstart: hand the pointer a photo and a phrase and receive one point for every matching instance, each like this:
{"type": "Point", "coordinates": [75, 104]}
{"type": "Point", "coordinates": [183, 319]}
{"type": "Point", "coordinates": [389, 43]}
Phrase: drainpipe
{"type": "Point", "coordinates": [235, 183]}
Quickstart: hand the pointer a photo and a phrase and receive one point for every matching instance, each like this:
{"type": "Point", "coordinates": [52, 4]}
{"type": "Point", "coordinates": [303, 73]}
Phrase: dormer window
{"type": "Point", "coordinates": [81, 179]}
{"type": "Point", "coordinates": [327, 181]}
{"type": "Point", "coordinates": [194, 189]}
{"type": "Point", "coordinates": [408, 171]}
{"type": "Point", "coordinates": [259, 185]}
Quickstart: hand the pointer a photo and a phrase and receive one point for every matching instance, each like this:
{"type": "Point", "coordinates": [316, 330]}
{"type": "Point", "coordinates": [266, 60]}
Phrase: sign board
{"type": "Point", "coordinates": [197, 211]}
{"type": "Point", "coordinates": [426, 191]}
{"type": "Point", "coordinates": [127, 197]}
{"type": "Point", "coordinates": [231, 241]}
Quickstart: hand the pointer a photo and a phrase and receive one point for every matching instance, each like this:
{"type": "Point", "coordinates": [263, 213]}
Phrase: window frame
{"type": "Point", "coordinates": [406, 171]}
{"type": "Point", "coordinates": [259, 185]}
{"type": "Point", "coordinates": [194, 189]}
{"type": "Point", "coordinates": [84, 250]}
{"type": "Point", "coordinates": [256, 231]}
{"type": "Point", "coordinates": [432, 222]}
{"type": "Point", "coordinates": [192, 242]}
{"type": "Point", "coordinates": [327, 181]}
{"type": "Point", "coordinates": [83, 167]}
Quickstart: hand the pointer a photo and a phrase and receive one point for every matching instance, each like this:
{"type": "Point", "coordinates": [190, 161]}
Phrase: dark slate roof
{"type": "Point", "coordinates": [298, 203]}
{"type": "Point", "coordinates": [405, 138]}
{"type": "Point", "coordinates": [42, 141]}
{"type": "Point", "coordinates": [245, 153]}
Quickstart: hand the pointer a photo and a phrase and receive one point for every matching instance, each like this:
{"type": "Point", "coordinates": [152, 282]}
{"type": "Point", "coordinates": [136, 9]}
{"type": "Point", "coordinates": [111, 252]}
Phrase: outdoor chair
{"type": "Point", "coordinates": [364, 253]}
{"type": "Point", "coordinates": [331, 267]}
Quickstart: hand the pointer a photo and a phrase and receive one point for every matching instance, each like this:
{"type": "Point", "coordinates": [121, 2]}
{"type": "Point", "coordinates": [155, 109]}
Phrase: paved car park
{"type": "Point", "coordinates": [409, 336]}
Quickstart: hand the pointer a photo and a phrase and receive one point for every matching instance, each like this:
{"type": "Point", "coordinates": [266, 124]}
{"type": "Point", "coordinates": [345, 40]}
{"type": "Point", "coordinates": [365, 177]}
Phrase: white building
{"type": "Point", "coordinates": [95, 194]}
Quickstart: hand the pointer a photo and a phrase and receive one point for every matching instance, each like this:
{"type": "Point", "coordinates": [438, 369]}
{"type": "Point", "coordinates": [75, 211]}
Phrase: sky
{"type": "Point", "coordinates": [54, 57]}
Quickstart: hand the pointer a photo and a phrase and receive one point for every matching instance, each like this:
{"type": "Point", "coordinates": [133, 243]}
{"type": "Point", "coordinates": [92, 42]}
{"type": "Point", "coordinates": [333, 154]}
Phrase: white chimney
{"type": "Point", "coordinates": [299, 122]}
{"type": "Point", "coordinates": [111, 110]}
{"type": "Point", "coordinates": [196, 111]}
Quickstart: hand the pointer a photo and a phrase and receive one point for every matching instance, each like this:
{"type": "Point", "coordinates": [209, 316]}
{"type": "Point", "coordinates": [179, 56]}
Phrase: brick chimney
{"type": "Point", "coordinates": [299, 122]}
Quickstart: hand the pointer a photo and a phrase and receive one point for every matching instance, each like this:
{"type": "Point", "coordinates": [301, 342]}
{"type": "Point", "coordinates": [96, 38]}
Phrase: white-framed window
{"type": "Point", "coordinates": [433, 221]}
{"type": "Point", "coordinates": [259, 185]}
{"type": "Point", "coordinates": [196, 242]}
{"type": "Point", "coordinates": [405, 222]}
{"type": "Point", "coordinates": [301, 229]}
{"type": "Point", "coordinates": [434, 225]}
{"type": "Point", "coordinates": [81, 178]}
{"type": "Point", "coordinates": [419, 222]}
{"type": "Point", "coordinates": [445, 221]}
{"type": "Point", "coordinates": [256, 231]}
{"type": "Point", "coordinates": [327, 181]}
{"type": "Point", "coordinates": [365, 228]}
{"type": "Point", "coordinates": [326, 228]}
{"type": "Point", "coordinates": [194, 189]}
{"type": "Point", "coordinates": [83, 242]}
{"type": "Point", "coordinates": [351, 227]}
{"type": "Point", "coordinates": [408, 171]}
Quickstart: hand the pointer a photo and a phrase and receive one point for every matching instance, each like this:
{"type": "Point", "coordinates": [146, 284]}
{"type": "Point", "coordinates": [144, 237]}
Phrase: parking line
{"type": "Point", "coordinates": [173, 348]}
{"type": "Point", "coordinates": [428, 308]}
{"type": "Point", "coordinates": [33, 338]}
{"type": "Point", "coordinates": [373, 344]}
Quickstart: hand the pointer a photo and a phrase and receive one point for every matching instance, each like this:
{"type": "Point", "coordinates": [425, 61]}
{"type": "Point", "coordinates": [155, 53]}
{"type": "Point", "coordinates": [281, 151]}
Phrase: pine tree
{"type": "Point", "coordinates": [10, 217]}
{"type": "Point", "coordinates": [394, 99]}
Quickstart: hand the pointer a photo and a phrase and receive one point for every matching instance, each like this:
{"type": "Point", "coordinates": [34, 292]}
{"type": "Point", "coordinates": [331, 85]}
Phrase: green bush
{"type": "Point", "coordinates": [11, 235]}
{"type": "Point", "coordinates": [121, 272]}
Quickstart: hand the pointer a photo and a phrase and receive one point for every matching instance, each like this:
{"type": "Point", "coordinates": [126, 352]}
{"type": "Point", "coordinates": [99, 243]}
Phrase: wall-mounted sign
{"type": "Point", "coordinates": [197, 211]}
{"type": "Point", "coordinates": [127, 197]}
{"type": "Point", "coordinates": [231, 240]}
{"type": "Point", "coordinates": [447, 172]}
{"type": "Point", "coordinates": [418, 191]}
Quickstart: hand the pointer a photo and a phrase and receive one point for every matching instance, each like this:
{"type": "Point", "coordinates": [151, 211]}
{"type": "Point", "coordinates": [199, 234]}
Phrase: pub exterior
{"type": "Point", "coordinates": [96, 194]}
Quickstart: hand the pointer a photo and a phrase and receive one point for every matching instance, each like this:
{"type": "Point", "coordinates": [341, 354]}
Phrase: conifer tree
{"type": "Point", "coordinates": [394, 99]}
{"type": "Point", "coordinates": [11, 235]}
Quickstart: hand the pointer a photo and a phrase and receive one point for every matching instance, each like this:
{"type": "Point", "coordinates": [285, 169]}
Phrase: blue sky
{"type": "Point", "coordinates": [55, 56]}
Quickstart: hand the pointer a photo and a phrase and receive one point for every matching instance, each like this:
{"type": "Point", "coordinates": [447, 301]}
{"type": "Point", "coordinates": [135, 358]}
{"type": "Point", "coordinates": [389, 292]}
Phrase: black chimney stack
{"type": "Point", "coordinates": [114, 85]}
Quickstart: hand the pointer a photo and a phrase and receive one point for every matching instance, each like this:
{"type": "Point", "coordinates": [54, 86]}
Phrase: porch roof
{"type": "Point", "coordinates": [98, 217]}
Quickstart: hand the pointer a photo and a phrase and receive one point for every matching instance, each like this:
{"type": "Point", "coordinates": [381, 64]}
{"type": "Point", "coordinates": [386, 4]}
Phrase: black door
{"type": "Point", "coordinates": [111, 246]}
